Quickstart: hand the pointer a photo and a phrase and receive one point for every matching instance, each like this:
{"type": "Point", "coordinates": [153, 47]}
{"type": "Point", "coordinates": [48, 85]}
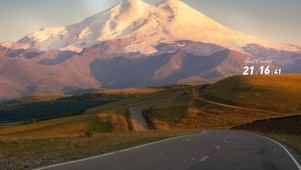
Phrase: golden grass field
{"type": "Point", "coordinates": [192, 112]}
{"type": "Point", "coordinates": [223, 105]}
{"type": "Point", "coordinates": [120, 107]}
{"type": "Point", "coordinates": [132, 91]}
{"type": "Point", "coordinates": [62, 127]}
{"type": "Point", "coordinates": [280, 93]}
{"type": "Point", "coordinates": [24, 146]}
{"type": "Point", "coordinates": [231, 102]}
{"type": "Point", "coordinates": [39, 97]}
{"type": "Point", "coordinates": [235, 101]}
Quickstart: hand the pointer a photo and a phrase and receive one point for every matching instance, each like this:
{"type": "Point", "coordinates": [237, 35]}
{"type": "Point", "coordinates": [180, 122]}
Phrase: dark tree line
{"type": "Point", "coordinates": [63, 107]}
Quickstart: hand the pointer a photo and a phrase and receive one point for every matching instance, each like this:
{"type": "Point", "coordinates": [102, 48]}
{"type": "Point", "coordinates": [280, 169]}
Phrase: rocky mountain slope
{"type": "Point", "coordinates": [134, 44]}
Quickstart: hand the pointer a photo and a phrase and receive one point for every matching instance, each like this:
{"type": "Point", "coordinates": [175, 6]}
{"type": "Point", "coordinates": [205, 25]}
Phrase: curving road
{"type": "Point", "coordinates": [212, 150]}
{"type": "Point", "coordinates": [138, 122]}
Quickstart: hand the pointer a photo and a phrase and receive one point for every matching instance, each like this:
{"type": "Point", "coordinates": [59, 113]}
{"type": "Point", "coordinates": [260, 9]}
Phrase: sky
{"type": "Point", "coordinates": [272, 20]}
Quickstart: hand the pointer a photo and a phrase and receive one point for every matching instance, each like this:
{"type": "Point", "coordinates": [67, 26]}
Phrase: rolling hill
{"type": "Point", "coordinates": [278, 93]}
{"type": "Point", "coordinates": [231, 102]}
{"type": "Point", "coordinates": [218, 106]}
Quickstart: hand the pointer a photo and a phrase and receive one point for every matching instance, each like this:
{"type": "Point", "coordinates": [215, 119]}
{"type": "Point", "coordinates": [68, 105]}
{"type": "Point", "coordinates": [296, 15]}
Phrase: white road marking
{"type": "Point", "coordinates": [289, 154]}
{"type": "Point", "coordinates": [108, 154]}
{"type": "Point", "coordinates": [136, 147]}
{"type": "Point", "coordinates": [218, 147]}
{"type": "Point", "coordinates": [66, 163]}
{"type": "Point", "coordinates": [203, 159]}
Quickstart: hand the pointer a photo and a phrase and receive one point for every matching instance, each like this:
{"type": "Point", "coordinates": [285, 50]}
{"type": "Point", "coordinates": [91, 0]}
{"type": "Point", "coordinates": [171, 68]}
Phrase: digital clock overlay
{"type": "Point", "coordinates": [260, 67]}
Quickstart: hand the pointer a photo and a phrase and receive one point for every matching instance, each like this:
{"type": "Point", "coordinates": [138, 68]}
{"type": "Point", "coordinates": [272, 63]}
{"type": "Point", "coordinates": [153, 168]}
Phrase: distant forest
{"type": "Point", "coordinates": [62, 107]}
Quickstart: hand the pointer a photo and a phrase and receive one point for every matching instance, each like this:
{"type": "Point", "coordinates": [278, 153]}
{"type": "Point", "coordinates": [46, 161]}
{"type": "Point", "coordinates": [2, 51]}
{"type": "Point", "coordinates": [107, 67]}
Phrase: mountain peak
{"type": "Point", "coordinates": [172, 2]}
{"type": "Point", "coordinates": [134, 5]}
{"type": "Point", "coordinates": [134, 2]}
{"type": "Point", "coordinates": [149, 25]}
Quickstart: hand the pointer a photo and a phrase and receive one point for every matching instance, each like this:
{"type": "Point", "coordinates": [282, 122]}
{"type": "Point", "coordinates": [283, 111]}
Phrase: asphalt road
{"type": "Point", "coordinates": [138, 122]}
{"type": "Point", "coordinates": [212, 150]}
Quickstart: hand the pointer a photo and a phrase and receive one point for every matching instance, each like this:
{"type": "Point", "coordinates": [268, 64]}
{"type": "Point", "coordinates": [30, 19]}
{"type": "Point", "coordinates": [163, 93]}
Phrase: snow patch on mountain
{"type": "Point", "coordinates": [149, 25]}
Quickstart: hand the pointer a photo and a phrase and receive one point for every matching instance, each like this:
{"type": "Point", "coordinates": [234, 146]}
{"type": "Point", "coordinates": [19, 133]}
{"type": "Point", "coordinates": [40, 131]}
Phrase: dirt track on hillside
{"type": "Point", "coordinates": [138, 120]}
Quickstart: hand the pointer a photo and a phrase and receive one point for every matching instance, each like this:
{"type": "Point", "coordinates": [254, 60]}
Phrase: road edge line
{"type": "Point", "coordinates": [70, 162]}
{"type": "Point", "coordinates": [284, 148]}
{"type": "Point", "coordinates": [111, 153]}
{"type": "Point", "coordinates": [292, 157]}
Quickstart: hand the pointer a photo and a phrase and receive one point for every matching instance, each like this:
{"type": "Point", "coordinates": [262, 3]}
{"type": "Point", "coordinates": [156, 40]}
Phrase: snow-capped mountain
{"type": "Point", "coordinates": [134, 44]}
{"type": "Point", "coordinates": [149, 25]}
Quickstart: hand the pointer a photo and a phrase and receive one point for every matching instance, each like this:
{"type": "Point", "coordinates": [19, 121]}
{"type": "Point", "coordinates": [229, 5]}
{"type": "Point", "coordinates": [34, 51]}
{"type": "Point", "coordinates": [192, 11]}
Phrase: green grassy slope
{"type": "Point", "coordinates": [122, 106]}
{"type": "Point", "coordinates": [38, 98]}
{"type": "Point", "coordinates": [285, 129]}
{"type": "Point", "coordinates": [280, 93]}
{"type": "Point", "coordinates": [233, 101]}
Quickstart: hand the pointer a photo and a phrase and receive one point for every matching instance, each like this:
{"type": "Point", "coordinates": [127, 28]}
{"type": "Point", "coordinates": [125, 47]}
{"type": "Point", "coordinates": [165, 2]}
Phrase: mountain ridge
{"type": "Point", "coordinates": [134, 44]}
{"type": "Point", "coordinates": [62, 71]}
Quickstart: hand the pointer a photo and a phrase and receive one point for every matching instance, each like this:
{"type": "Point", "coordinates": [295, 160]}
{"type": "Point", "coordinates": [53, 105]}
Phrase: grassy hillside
{"type": "Point", "coordinates": [19, 153]}
{"type": "Point", "coordinates": [62, 127]}
{"type": "Point", "coordinates": [279, 93]}
{"type": "Point", "coordinates": [282, 125]}
{"type": "Point", "coordinates": [235, 101]}
{"type": "Point", "coordinates": [38, 98]}
{"type": "Point", "coordinates": [231, 102]}
{"type": "Point", "coordinates": [99, 130]}
{"type": "Point", "coordinates": [285, 129]}
{"type": "Point", "coordinates": [121, 107]}
{"type": "Point", "coordinates": [106, 118]}
{"type": "Point", "coordinates": [192, 112]}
